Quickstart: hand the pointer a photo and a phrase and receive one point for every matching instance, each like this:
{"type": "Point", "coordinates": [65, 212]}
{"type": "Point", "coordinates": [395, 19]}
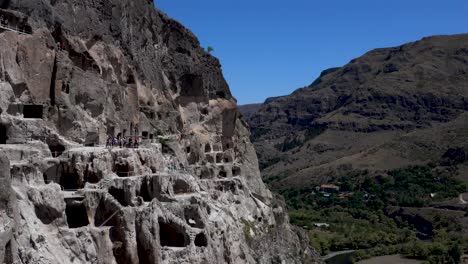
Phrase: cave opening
{"type": "Point", "coordinates": [69, 178]}
{"type": "Point", "coordinates": [103, 216]}
{"type": "Point", "coordinates": [56, 150]}
{"type": "Point", "coordinates": [4, 5]}
{"type": "Point", "coordinates": [221, 94]}
{"type": "Point", "coordinates": [193, 217]}
{"type": "Point", "coordinates": [209, 158]}
{"type": "Point", "coordinates": [145, 134]}
{"type": "Point", "coordinates": [8, 254]}
{"type": "Point", "coordinates": [122, 169]}
{"type": "Point", "coordinates": [33, 111]}
{"type": "Point", "coordinates": [222, 174]}
{"type": "Point", "coordinates": [200, 240]}
{"type": "Point", "coordinates": [219, 158]}
{"type": "Point", "coordinates": [145, 191]}
{"type": "Point", "coordinates": [91, 177]}
{"type": "Point", "coordinates": [236, 171]}
{"type": "Point", "coordinates": [207, 148]}
{"type": "Point", "coordinates": [77, 216]}
{"type": "Point", "coordinates": [228, 158]}
{"type": "Point", "coordinates": [131, 79]}
{"type": "Point", "coordinates": [119, 195]}
{"type": "Point", "coordinates": [171, 235]}
{"type": "Point", "coordinates": [180, 186]}
{"type": "Point", "coordinates": [3, 134]}
{"type": "Point", "coordinates": [206, 173]}
{"type": "Point", "coordinates": [191, 85]}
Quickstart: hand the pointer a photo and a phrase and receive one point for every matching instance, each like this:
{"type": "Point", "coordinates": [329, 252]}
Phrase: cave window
{"type": "Point", "coordinates": [227, 146]}
{"type": "Point", "coordinates": [145, 191]}
{"type": "Point", "coordinates": [131, 79]}
{"type": "Point", "coordinates": [111, 130]}
{"type": "Point", "coordinates": [207, 148]}
{"type": "Point", "coordinates": [151, 136]}
{"type": "Point", "coordinates": [70, 179]}
{"type": "Point", "coordinates": [222, 174]}
{"type": "Point", "coordinates": [122, 169]}
{"type": "Point", "coordinates": [144, 134]}
{"type": "Point", "coordinates": [172, 236]}
{"type": "Point", "coordinates": [200, 240]}
{"type": "Point", "coordinates": [221, 94]}
{"type": "Point", "coordinates": [181, 186]}
{"type": "Point", "coordinates": [103, 217]}
{"type": "Point", "coordinates": [119, 195]}
{"type": "Point", "coordinates": [191, 85]}
{"type": "Point", "coordinates": [8, 257]}
{"type": "Point", "coordinates": [187, 149]}
{"type": "Point", "coordinates": [206, 173]}
{"type": "Point", "coordinates": [219, 158]}
{"type": "Point", "coordinates": [209, 158]}
{"type": "Point", "coordinates": [56, 150]}
{"type": "Point", "coordinates": [91, 177]}
{"type": "Point", "coordinates": [228, 158]}
{"type": "Point", "coordinates": [3, 134]}
{"type": "Point", "coordinates": [236, 171]}
{"type": "Point", "coordinates": [77, 216]}
{"type": "Point", "coordinates": [193, 218]}
{"type": "Point", "coordinates": [33, 111]}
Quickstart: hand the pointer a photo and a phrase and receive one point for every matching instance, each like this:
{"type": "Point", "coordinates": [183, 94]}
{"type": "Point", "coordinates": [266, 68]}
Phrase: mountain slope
{"type": "Point", "coordinates": [248, 110]}
{"type": "Point", "coordinates": [390, 108]}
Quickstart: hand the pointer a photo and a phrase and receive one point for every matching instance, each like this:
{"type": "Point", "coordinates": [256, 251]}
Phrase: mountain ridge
{"type": "Point", "coordinates": [390, 91]}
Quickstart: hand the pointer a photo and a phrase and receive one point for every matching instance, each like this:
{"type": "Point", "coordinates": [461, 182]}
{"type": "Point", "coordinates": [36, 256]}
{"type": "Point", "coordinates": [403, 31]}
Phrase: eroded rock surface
{"type": "Point", "coordinates": [190, 193]}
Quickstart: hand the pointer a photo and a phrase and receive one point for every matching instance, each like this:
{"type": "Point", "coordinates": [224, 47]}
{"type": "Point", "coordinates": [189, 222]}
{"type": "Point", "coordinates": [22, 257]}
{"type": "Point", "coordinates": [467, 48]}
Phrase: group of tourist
{"type": "Point", "coordinates": [123, 142]}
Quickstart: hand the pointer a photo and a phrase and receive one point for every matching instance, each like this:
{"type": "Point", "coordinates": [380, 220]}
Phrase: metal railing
{"type": "Point", "coordinates": [4, 25]}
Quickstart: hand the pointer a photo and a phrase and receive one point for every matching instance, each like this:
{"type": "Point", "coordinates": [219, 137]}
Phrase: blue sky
{"type": "Point", "coordinates": [271, 48]}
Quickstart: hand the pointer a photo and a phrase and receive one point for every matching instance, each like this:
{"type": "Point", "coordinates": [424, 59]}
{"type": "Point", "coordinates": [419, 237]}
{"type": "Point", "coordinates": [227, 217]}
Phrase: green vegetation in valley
{"type": "Point", "coordinates": [357, 215]}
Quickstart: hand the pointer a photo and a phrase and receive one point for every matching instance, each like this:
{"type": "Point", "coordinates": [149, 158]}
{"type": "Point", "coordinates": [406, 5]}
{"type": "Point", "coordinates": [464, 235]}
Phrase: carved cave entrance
{"type": "Point", "coordinates": [119, 195]}
{"type": "Point", "coordinates": [70, 179]}
{"type": "Point", "coordinates": [181, 187]}
{"type": "Point", "coordinates": [146, 190]}
{"type": "Point", "coordinates": [200, 240]}
{"type": "Point", "coordinates": [122, 169]}
{"type": "Point", "coordinates": [77, 216]}
{"type": "Point", "coordinates": [33, 111]}
{"type": "Point", "coordinates": [3, 134]}
{"type": "Point", "coordinates": [56, 150]}
{"type": "Point", "coordinates": [172, 235]}
{"type": "Point", "coordinates": [8, 254]}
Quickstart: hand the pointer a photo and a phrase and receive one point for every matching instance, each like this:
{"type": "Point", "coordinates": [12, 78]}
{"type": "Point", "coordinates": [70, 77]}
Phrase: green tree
{"type": "Point", "coordinates": [209, 49]}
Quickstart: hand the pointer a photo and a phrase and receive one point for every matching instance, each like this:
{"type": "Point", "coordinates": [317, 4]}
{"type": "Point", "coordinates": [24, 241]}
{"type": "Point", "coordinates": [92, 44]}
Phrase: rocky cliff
{"type": "Point", "coordinates": [74, 73]}
{"type": "Point", "coordinates": [389, 109]}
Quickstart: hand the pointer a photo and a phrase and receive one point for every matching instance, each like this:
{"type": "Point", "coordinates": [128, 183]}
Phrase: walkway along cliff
{"type": "Point", "coordinates": [191, 192]}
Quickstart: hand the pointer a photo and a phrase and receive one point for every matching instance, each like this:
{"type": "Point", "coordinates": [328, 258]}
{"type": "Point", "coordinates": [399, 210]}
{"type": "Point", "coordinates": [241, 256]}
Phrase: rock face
{"type": "Point", "coordinates": [79, 71]}
{"type": "Point", "coordinates": [388, 109]}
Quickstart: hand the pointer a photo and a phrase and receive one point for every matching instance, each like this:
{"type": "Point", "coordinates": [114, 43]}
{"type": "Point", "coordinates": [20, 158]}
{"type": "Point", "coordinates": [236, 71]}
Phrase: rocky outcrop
{"type": "Point", "coordinates": [387, 109]}
{"type": "Point", "coordinates": [191, 191]}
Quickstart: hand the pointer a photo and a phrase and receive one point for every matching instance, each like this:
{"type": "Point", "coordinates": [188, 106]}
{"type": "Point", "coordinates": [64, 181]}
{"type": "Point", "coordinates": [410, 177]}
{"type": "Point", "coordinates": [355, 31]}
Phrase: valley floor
{"type": "Point", "coordinates": [390, 259]}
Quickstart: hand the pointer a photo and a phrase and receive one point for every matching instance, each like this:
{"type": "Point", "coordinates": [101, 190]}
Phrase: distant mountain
{"type": "Point", "coordinates": [248, 110]}
{"type": "Point", "coordinates": [389, 109]}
